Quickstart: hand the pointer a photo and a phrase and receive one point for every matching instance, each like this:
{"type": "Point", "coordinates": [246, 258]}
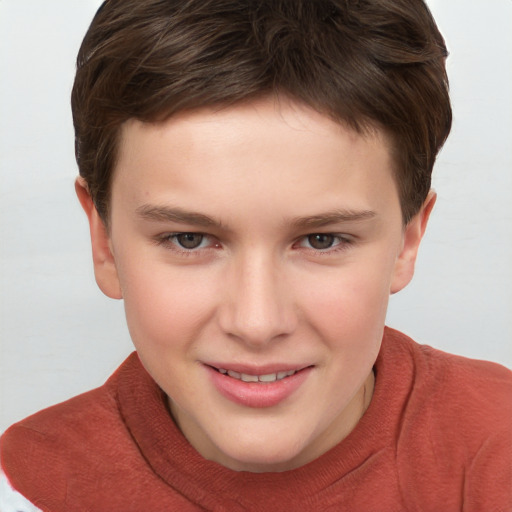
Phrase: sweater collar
{"type": "Point", "coordinates": [143, 407]}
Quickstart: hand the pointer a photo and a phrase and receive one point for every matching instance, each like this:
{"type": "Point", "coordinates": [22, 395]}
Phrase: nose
{"type": "Point", "coordinates": [258, 307]}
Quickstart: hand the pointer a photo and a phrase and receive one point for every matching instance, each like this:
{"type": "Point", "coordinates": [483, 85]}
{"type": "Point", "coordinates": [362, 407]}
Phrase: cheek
{"type": "Point", "coordinates": [164, 308]}
{"type": "Point", "coordinates": [349, 304]}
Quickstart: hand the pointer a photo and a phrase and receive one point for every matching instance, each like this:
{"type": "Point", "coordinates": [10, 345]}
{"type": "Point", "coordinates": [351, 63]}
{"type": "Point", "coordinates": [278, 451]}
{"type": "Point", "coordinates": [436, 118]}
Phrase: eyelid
{"type": "Point", "coordinates": [169, 240]}
{"type": "Point", "coordinates": [344, 242]}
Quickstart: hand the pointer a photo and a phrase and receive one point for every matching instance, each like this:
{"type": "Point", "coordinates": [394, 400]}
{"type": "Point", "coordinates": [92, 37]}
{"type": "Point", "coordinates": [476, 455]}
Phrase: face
{"type": "Point", "coordinates": [255, 248]}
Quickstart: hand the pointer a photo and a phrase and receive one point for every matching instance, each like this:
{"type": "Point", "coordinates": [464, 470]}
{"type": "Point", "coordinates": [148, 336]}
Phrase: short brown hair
{"type": "Point", "coordinates": [365, 63]}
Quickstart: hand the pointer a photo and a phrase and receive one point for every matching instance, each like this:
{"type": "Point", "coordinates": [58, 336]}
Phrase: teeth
{"type": "Point", "coordinates": [249, 378]}
{"type": "Point", "coordinates": [245, 377]}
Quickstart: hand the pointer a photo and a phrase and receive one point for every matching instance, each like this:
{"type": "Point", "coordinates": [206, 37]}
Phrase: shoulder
{"type": "Point", "coordinates": [455, 378]}
{"type": "Point", "coordinates": [461, 385]}
{"type": "Point", "coordinates": [455, 424]}
{"type": "Point", "coordinates": [64, 422]}
{"type": "Point", "coordinates": [40, 452]}
{"type": "Point", "coordinates": [465, 394]}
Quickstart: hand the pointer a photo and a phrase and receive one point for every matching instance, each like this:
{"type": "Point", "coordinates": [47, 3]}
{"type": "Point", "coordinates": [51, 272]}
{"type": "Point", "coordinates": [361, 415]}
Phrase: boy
{"type": "Point", "coordinates": [256, 177]}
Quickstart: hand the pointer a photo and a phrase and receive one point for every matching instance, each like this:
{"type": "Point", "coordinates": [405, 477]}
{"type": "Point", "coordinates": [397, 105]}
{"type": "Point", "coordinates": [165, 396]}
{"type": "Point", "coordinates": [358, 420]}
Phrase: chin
{"type": "Point", "coordinates": [261, 457]}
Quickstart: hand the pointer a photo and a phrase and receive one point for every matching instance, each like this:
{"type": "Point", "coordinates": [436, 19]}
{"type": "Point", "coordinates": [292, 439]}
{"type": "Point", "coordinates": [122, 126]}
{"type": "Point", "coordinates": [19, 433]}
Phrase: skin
{"type": "Point", "coordinates": [254, 183]}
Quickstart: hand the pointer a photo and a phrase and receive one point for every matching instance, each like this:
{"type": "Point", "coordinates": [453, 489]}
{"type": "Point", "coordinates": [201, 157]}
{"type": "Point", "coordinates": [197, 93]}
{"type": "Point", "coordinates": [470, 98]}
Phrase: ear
{"type": "Point", "coordinates": [104, 263]}
{"type": "Point", "coordinates": [413, 233]}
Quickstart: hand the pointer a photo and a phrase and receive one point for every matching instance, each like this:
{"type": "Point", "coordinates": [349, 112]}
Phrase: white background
{"type": "Point", "coordinates": [59, 336]}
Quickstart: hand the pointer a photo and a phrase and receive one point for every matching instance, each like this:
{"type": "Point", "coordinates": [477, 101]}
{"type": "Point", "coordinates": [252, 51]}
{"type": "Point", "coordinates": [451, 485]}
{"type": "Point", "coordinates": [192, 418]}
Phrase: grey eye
{"type": "Point", "coordinates": [321, 241]}
{"type": "Point", "coordinates": [189, 240]}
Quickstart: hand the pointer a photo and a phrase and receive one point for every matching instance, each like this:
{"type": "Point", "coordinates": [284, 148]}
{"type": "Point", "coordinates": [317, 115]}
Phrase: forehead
{"type": "Point", "coordinates": [281, 113]}
{"type": "Point", "coordinates": [252, 154]}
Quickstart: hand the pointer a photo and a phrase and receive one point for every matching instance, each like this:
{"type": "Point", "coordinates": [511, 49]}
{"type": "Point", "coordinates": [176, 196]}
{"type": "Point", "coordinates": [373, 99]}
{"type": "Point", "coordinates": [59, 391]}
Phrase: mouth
{"type": "Point", "coordinates": [265, 379]}
{"type": "Point", "coordinates": [258, 387]}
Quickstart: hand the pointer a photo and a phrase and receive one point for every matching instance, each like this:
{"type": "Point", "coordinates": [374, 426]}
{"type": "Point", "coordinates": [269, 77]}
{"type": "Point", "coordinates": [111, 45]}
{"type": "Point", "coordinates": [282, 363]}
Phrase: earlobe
{"type": "Point", "coordinates": [413, 233]}
{"type": "Point", "coordinates": [104, 263]}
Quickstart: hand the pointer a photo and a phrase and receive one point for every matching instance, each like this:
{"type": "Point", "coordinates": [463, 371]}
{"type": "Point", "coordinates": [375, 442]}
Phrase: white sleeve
{"type": "Point", "coordinates": [11, 500]}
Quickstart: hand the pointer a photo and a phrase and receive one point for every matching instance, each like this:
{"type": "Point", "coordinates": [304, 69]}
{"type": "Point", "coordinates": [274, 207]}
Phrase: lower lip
{"type": "Point", "coordinates": [254, 394]}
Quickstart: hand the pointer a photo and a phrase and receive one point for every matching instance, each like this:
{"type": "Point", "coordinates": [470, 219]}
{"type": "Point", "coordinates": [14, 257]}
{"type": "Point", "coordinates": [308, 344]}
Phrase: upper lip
{"type": "Point", "coordinates": [252, 369]}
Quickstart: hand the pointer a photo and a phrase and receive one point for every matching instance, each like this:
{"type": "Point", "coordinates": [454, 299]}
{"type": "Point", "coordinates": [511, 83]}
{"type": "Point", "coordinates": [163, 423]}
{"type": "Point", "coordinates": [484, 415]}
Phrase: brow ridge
{"type": "Point", "coordinates": [179, 215]}
{"type": "Point", "coordinates": [174, 214]}
{"type": "Point", "coordinates": [333, 217]}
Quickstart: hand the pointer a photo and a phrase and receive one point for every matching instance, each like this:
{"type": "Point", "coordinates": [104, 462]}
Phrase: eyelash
{"type": "Point", "coordinates": [170, 240]}
{"type": "Point", "coordinates": [341, 243]}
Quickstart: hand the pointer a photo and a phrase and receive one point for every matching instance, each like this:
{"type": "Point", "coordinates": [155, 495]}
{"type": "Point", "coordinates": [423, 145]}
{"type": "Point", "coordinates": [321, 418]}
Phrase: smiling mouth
{"type": "Point", "coordinates": [266, 386]}
{"type": "Point", "coordinates": [264, 379]}
{"type": "Point", "coordinates": [245, 377]}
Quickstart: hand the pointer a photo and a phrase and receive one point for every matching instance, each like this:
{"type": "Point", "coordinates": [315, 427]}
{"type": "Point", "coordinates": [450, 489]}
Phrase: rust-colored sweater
{"type": "Point", "coordinates": [437, 437]}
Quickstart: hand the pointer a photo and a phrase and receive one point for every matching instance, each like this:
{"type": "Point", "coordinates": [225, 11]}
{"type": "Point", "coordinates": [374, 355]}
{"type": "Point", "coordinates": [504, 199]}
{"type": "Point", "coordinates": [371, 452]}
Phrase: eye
{"type": "Point", "coordinates": [325, 242]}
{"type": "Point", "coordinates": [187, 244]}
{"type": "Point", "coordinates": [321, 241]}
{"type": "Point", "coordinates": [189, 240]}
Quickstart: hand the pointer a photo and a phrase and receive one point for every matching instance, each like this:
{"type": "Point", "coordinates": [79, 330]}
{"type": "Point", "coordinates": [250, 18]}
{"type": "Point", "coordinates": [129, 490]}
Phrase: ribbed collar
{"type": "Point", "coordinates": [143, 407]}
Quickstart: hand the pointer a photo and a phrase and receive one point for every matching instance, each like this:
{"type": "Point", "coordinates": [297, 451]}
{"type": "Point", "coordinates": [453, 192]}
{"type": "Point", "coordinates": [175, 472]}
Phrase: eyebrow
{"type": "Point", "coordinates": [332, 217]}
{"type": "Point", "coordinates": [181, 216]}
{"type": "Point", "coordinates": [168, 214]}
